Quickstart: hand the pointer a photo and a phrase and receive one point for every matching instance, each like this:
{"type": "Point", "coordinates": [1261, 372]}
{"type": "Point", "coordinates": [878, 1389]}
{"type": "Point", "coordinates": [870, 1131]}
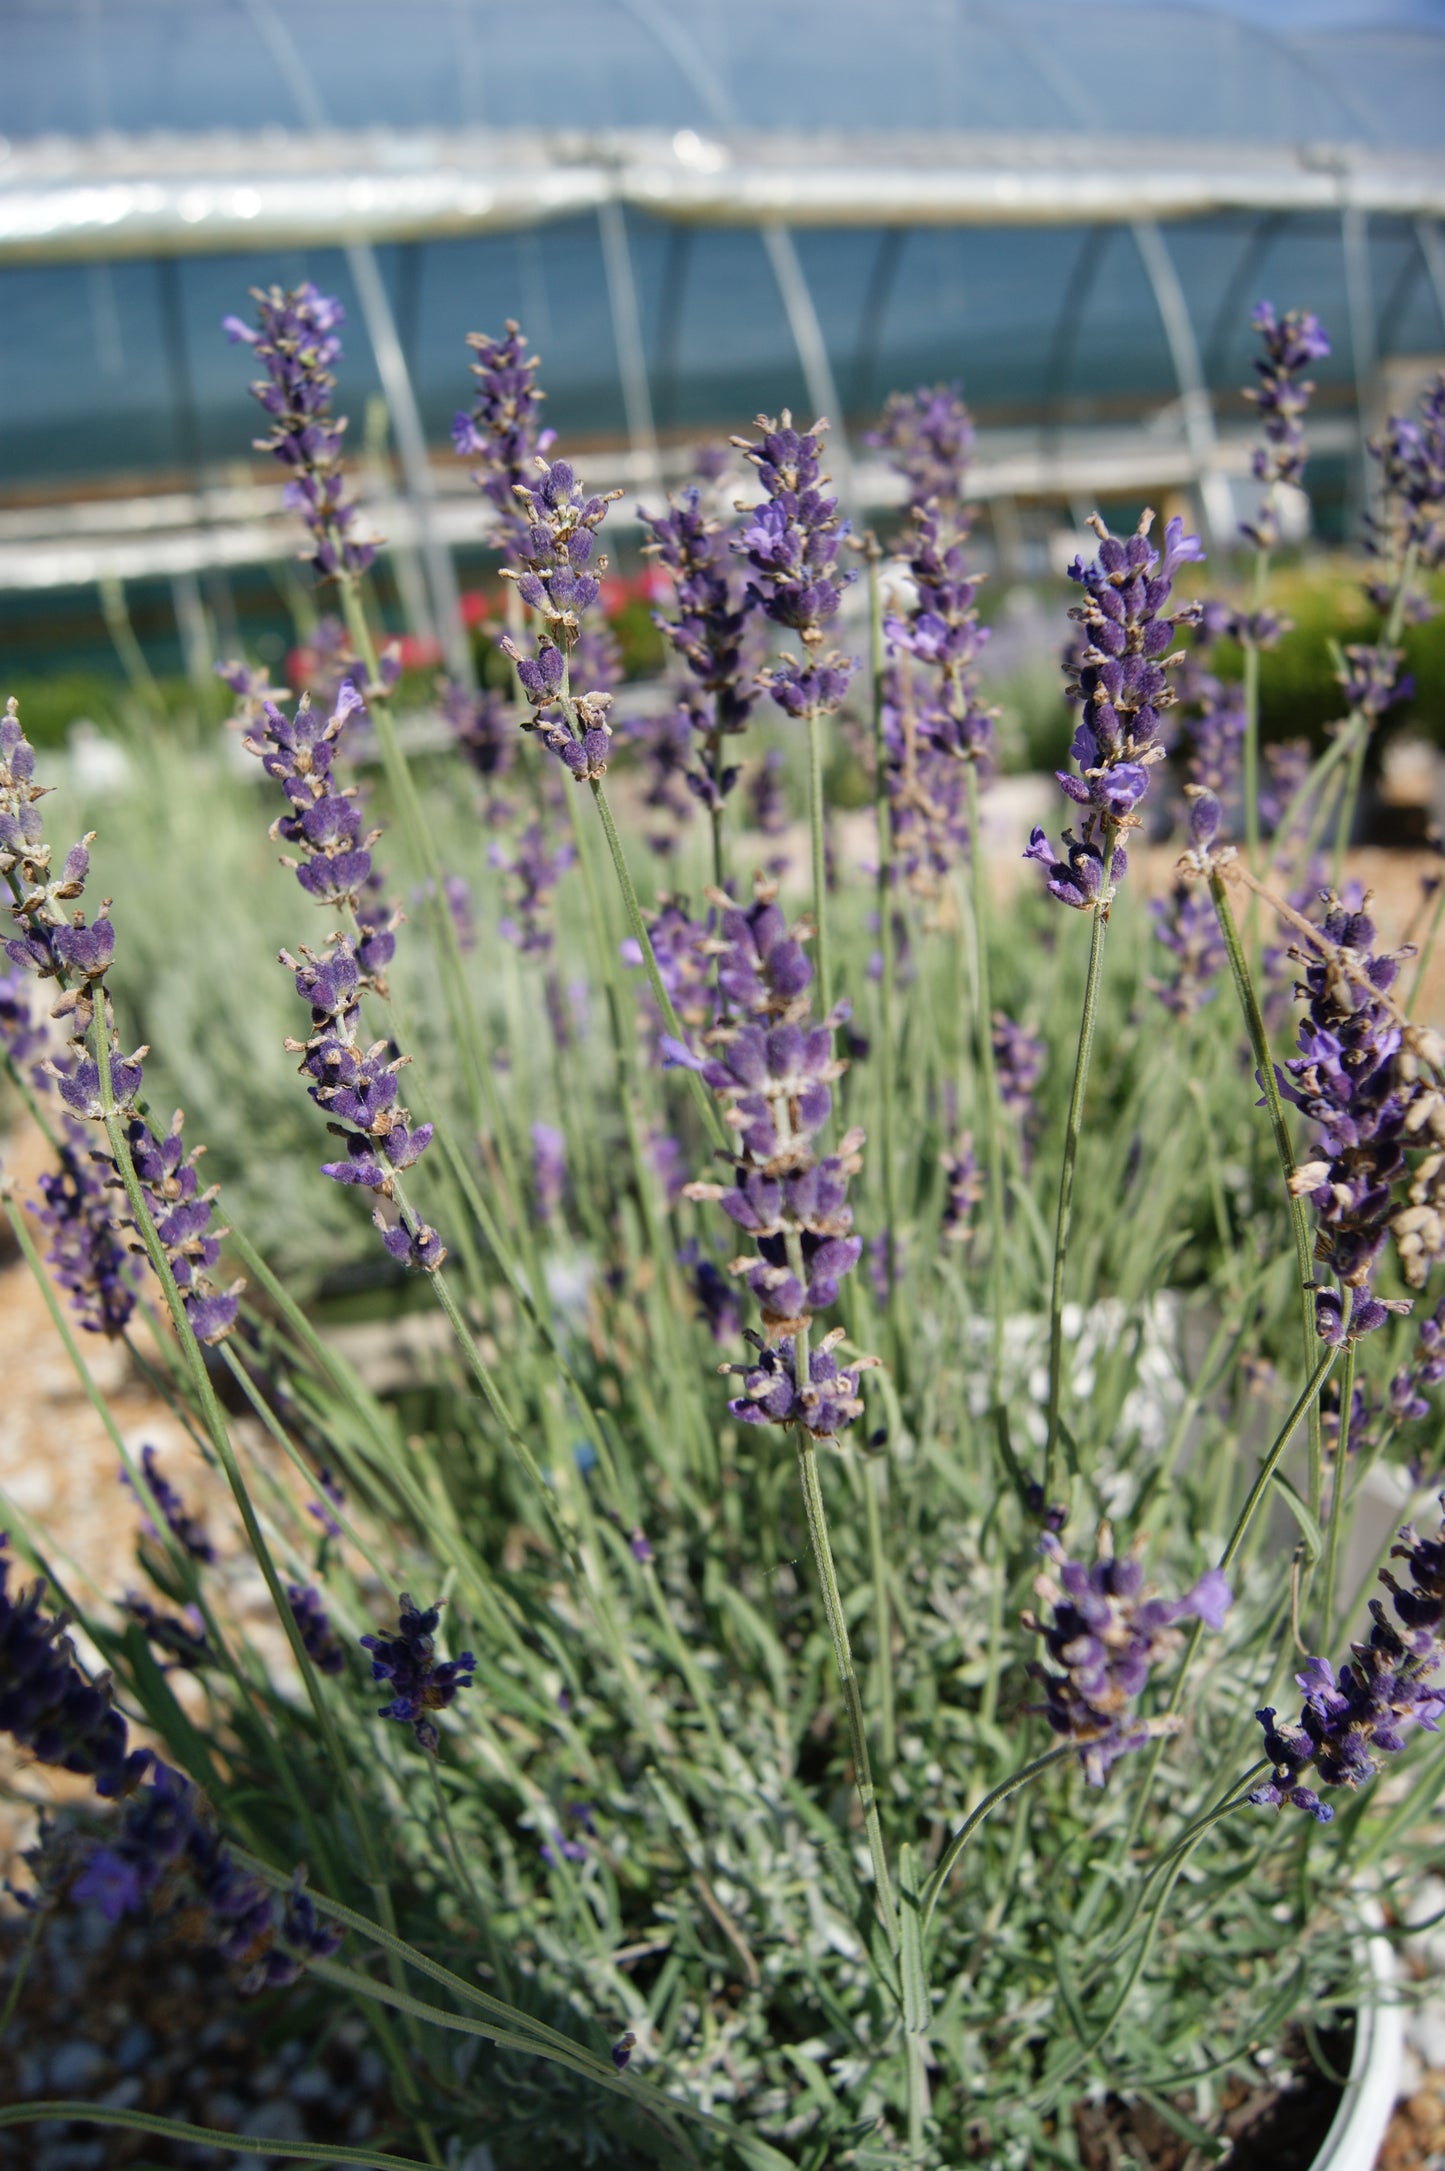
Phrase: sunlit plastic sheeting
{"type": "Point", "coordinates": [79, 66]}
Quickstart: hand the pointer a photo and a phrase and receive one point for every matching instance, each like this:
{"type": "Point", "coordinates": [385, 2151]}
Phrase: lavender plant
{"type": "Point", "coordinates": [774, 1826]}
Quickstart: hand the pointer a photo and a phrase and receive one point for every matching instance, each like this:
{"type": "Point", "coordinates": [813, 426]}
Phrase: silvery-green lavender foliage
{"type": "Point", "coordinates": [775, 1826]}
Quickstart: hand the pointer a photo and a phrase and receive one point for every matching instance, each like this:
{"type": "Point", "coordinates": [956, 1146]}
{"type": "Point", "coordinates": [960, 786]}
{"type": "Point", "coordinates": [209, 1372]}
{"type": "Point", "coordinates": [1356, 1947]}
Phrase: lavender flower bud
{"type": "Point", "coordinates": [47, 1704]}
{"type": "Point", "coordinates": [188, 1530]}
{"type": "Point", "coordinates": [1104, 1637]}
{"type": "Point", "coordinates": [1291, 343]}
{"type": "Point", "coordinates": [1349, 1722]}
{"type": "Point", "coordinates": [501, 431]}
{"type": "Point", "coordinates": [927, 437]}
{"type": "Point", "coordinates": [1120, 679]}
{"type": "Point", "coordinates": [422, 1682]}
{"type": "Point", "coordinates": [297, 344]}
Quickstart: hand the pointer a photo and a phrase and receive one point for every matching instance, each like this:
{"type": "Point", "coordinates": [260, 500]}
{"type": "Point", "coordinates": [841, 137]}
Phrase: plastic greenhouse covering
{"type": "Point", "coordinates": [679, 301]}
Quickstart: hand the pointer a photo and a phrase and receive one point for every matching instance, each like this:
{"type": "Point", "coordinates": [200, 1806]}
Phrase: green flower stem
{"type": "Point", "coordinates": [992, 1118]}
{"type": "Point", "coordinates": [219, 1436]}
{"type": "Point", "coordinates": [1064, 1217]}
{"type": "Point", "coordinates": [213, 2137]}
{"type": "Point", "coordinates": [874, 1476]}
{"type": "Point", "coordinates": [1337, 1501]}
{"type": "Point", "coordinates": [887, 974]}
{"type": "Point", "coordinates": [843, 1654]}
{"type": "Point", "coordinates": [180, 1561]}
{"type": "Point", "coordinates": [578, 1559]}
{"type": "Point", "coordinates": [1250, 747]}
{"type": "Point", "coordinates": [1427, 950]}
{"type": "Point", "coordinates": [466, 1030]}
{"type": "Point", "coordinates": [701, 1097]}
{"type": "Point", "coordinates": [1269, 1083]}
{"type": "Point", "coordinates": [820, 862]}
{"type": "Point", "coordinates": [932, 1891]}
{"type": "Point", "coordinates": [1307, 1400]}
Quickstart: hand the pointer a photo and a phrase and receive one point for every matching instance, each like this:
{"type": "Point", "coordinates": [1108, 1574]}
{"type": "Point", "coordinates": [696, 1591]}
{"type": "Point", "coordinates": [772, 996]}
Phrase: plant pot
{"type": "Point", "coordinates": [1353, 2141]}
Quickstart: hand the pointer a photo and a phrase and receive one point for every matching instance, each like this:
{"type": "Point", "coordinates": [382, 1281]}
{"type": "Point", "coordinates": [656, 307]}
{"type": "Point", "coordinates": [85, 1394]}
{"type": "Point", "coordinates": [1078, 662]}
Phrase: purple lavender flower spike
{"type": "Point", "coordinates": [1348, 1722]}
{"type": "Point", "coordinates": [47, 1704]}
{"type": "Point", "coordinates": [56, 944]}
{"type": "Point", "coordinates": [1119, 676]}
{"type": "Point", "coordinates": [422, 1682]}
{"type": "Point", "coordinates": [501, 432]}
{"type": "Point", "coordinates": [772, 1068]}
{"type": "Point", "coordinates": [966, 1181]}
{"type": "Point", "coordinates": [549, 1169]}
{"type": "Point", "coordinates": [1104, 1636]}
{"type": "Point", "coordinates": [1408, 532]}
{"type": "Point", "coordinates": [771, 1395]}
{"type": "Point", "coordinates": [791, 543]}
{"type": "Point", "coordinates": [188, 1530]}
{"type": "Point", "coordinates": [297, 345]}
{"type": "Point", "coordinates": [1359, 1078]}
{"type": "Point", "coordinates": [86, 1254]}
{"type": "Point", "coordinates": [529, 878]}
{"type": "Point", "coordinates": [927, 436]}
{"type": "Point", "coordinates": [711, 633]}
{"type": "Point", "coordinates": [1291, 342]}
{"type": "Point", "coordinates": [315, 1630]}
{"type": "Point", "coordinates": [1018, 1062]}
{"type": "Point", "coordinates": [559, 579]}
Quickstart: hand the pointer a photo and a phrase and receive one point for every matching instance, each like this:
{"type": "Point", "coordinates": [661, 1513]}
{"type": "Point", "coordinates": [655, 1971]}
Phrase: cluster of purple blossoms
{"type": "Point", "coordinates": [167, 1850]}
{"type": "Point", "coordinates": [1410, 1387]}
{"type": "Point", "coordinates": [355, 1083]}
{"type": "Point", "coordinates": [22, 1041]}
{"type": "Point", "coordinates": [1291, 342]}
{"type": "Point", "coordinates": [297, 345]}
{"type": "Point", "coordinates": [768, 810]}
{"type": "Point", "coordinates": [86, 1255]}
{"type": "Point", "coordinates": [1186, 923]}
{"type": "Point", "coordinates": [47, 1704]}
{"type": "Point", "coordinates": [772, 1068]}
{"type": "Point", "coordinates": [927, 437]}
{"type": "Point", "coordinates": [714, 1291]}
{"type": "Point", "coordinates": [530, 873]}
{"type": "Point", "coordinates": [1410, 524]}
{"type": "Point", "coordinates": [558, 579]}
{"type": "Point", "coordinates": [966, 1181]}
{"type": "Point", "coordinates": [422, 1682]}
{"type": "Point", "coordinates": [313, 1626]}
{"type": "Point", "coordinates": [710, 633]}
{"type": "Point", "coordinates": [483, 727]}
{"type": "Point", "coordinates": [791, 543]}
{"type": "Point", "coordinates": [771, 1396]}
{"type": "Point", "coordinates": [1358, 1078]}
{"type": "Point", "coordinates": [1120, 678]}
{"type": "Point", "coordinates": [56, 943]}
{"type": "Point", "coordinates": [549, 1170]}
{"type": "Point", "coordinates": [1019, 1057]}
{"type": "Point", "coordinates": [685, 950]}
{"type": "Point", "coordinates": [934, 721]}
{"type": "Point", "coordinates": [1105, 1637]}
{"type": "Point", "coordinates": [1349, 1721]}
{"type": "Point", "coordinates": [188, 1530]}
{"type": "Point", "coordinates": [501, 432]}
{"type": "Point", "coordinates": [358, 1087]}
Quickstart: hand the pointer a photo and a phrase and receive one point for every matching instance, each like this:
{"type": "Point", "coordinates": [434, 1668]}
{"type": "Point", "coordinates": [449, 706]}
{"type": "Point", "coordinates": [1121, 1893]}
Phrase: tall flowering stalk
{"type": "Point", "coordinates": [1289, 344]}
{"type": "Point", "coordinates": [710, 633]}
{"type": "Point", "coordinates": [1120, 678]}
{"type": "Point", "coordinates": [355, 1082]}
{"type": "Point", "coordinates": [55, 943]}
{"type": "Point", "coordinates": [1350, 1720]}
{"type": "Point", "coordinates": [791, 543]}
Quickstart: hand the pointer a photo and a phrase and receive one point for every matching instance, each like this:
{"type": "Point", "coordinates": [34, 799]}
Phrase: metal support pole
{"type": "Point", "coordinates": [1198, 411]}
{"type": "Point", "coordinates": [1359, 302]}
{"type": "Point", "coordinates": [391, 367]}
{"type": "Point", "coordinates": [627, 339]}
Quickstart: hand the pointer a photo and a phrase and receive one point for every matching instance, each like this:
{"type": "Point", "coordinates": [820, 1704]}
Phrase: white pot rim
{"type": "Point", "coordinates": [1376, 2065]}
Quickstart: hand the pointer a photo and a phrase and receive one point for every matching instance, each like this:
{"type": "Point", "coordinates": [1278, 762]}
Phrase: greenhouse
{"type": "Point", "coordinates": [1070, 217]}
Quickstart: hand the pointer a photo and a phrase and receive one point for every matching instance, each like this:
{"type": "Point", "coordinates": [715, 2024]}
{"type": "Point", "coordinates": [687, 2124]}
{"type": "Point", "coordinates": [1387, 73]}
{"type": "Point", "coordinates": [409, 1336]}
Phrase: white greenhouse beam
{"type": "Point", "coordinates": [199, 194]}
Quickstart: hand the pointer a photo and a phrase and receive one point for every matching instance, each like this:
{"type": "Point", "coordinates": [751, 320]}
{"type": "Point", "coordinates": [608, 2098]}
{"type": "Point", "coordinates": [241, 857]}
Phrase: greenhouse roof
{"type": "Point", "coordinates": [82, 68]}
